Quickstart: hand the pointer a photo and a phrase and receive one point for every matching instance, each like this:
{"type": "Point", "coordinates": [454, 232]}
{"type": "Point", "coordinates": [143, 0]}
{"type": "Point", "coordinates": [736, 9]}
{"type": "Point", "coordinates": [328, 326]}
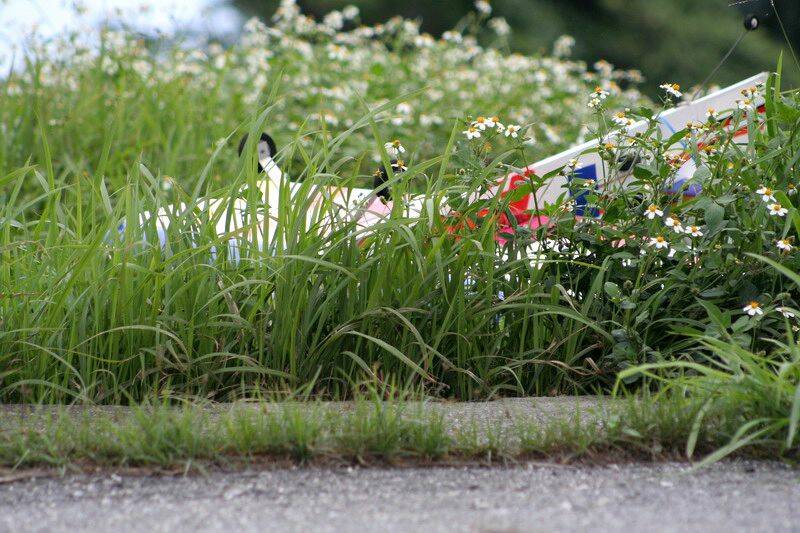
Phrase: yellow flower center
{"type": "Point", "coordinates": [753, 305]}
{"type": "Point", "coordinates": [659, 239]}
{"type": "Point", "coordinates": [776, 207]}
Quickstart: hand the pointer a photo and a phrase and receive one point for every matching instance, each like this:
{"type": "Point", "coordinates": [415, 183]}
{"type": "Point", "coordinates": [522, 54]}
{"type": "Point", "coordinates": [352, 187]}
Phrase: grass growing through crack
{"type": "Point", "coordinates": [367, 432]}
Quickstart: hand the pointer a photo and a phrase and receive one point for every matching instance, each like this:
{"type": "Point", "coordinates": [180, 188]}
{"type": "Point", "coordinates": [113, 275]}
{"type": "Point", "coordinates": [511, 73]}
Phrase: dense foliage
{"type": "Point", "coordinates": [685, 39]}
{"type": "Point", "coordinates": [104, 110]}
{"type": "Point", "coordinates": [428, 302]}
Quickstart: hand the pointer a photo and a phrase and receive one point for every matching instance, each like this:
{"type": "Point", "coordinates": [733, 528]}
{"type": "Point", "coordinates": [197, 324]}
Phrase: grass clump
{"type": "Point", "coordinates": [763, 390]}
{"type": "Point", "coordinates": [389, 432]}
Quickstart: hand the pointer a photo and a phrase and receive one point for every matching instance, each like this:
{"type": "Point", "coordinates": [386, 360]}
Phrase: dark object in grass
{"type": "Point", "coordinates": [266, 148]}
{"type": "Point", "coordinates": [751, 22]}
{"type": "Point", "coordinates": [381, 178]}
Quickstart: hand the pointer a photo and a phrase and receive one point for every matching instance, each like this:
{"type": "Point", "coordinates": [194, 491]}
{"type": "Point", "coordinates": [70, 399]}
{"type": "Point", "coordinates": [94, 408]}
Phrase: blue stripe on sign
{"type": "Point", "coordinates": [581, 198]}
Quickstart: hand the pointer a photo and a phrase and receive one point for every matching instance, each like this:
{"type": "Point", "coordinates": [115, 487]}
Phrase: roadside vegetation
{"type": "Point", "coordinates": [365, 432]}
{"type": "Point", "coordinates": [695, 297]}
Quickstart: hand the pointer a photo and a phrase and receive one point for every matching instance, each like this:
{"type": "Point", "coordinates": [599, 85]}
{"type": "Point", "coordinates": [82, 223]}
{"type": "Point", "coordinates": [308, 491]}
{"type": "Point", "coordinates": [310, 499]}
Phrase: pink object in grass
{"type": "Point", "coordinates": [375, 213]}
{"type": "Point", "coordinates": [534, 222]}
{"type": "Point", "coordinates": [538, 221]}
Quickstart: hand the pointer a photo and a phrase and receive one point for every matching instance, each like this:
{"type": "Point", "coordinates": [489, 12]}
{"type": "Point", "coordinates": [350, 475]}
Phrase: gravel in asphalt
{"type": "Point", "coordinates": [731, 496]}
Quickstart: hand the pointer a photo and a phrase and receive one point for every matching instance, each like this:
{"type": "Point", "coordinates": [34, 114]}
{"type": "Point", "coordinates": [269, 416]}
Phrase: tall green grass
{"type": "Point", "coordinates": [91, 315]}
{"type": "Point", "coordinates": [98, 316]}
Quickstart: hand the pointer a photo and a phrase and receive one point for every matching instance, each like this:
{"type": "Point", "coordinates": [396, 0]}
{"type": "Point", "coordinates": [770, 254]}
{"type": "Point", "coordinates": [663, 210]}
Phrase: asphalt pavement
{"type": "Point", "coordinates": [730, 496]}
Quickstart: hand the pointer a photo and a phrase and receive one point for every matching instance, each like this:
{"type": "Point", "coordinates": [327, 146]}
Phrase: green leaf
{"type": "Point", "coordinates": [612, 289]}
{"type": "Point", "coordinates": [714, 215]}
{"type": "Point", "coordinates": [787, 114]}
{"type": "Point", "coordinates": [642, 173]}
{"type": "Point", "coordinates": [723, 320]}
{"type": "Point", "coordinates": [792, 275]}
{"type": "Point", "coordinates": [794, 417]}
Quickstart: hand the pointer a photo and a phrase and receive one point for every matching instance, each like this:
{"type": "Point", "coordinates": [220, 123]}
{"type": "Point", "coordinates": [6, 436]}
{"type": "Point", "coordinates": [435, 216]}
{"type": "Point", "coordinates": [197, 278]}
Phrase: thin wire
{"type": "Point", "coordinates": [719, 65]}
{"type": "Point", "coordinates": [785, 35]}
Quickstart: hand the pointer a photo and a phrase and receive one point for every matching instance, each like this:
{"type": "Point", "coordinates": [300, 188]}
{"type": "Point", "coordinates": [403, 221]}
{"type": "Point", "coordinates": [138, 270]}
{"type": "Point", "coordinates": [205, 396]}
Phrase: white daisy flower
{"type": "Point", "coordinates": [472, 132]}
{"type": "Point", "coordinates": [777, 209]}
{"type": "Point", "coordinates": [791, 189]}
{"type": "Point", "coordinates": [786, 312]}
{"type": "Point", "coordinates": [481, 123]}
{"type": "Point", "coordinates": [672, 89]}
{"type": "Point", "coordinates": [784, 244]}
{"type": "Point", "coordinates": [743, 104]}
{"type": "Point", "coordinates": [621, 119]}
{"type": "Point", "coordinates": [492, 122]}
{"type": "Point", "coordinates": [334, 20]}
{"type": "Point", "coordinates": [653, 211]}
{"type": "Point", "coordinates": [599, 93]}
{"type": "Point", "coordinates": [500, 26]}
{"type": "Point", "coordinates": [711, 114]}
{"type": "Point", "coordinates": [394, 148]}
{"type": "Point", "coordinates": [512, 130]}
{"type": "Point", "coordinates": [694, 231]}
{"type": "Point", "coordinates": [350, 12]}
{"type": "Point", "coordinates": [673, 222]}
{"type": "Point", "coordinates": [753, 309]}
{"type": "Point", "coordinates": [766, 194]}
{"type": "Point", "coordinates": [399, 166]}
{"type": "Point", "coordinates": [453, 37]}
{"type": "Point", "coordinates": [750, 92]}
{"type": "Point", "coordinates": [659, 242]}
{"type": "Point", "coordinates": [483, 7]}
{"type": "Point", "coordinates": [563, 46]}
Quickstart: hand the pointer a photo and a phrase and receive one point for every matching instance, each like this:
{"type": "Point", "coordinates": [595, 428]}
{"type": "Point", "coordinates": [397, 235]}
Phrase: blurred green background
{"type": "Point", "coordinates": [668, 40]}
